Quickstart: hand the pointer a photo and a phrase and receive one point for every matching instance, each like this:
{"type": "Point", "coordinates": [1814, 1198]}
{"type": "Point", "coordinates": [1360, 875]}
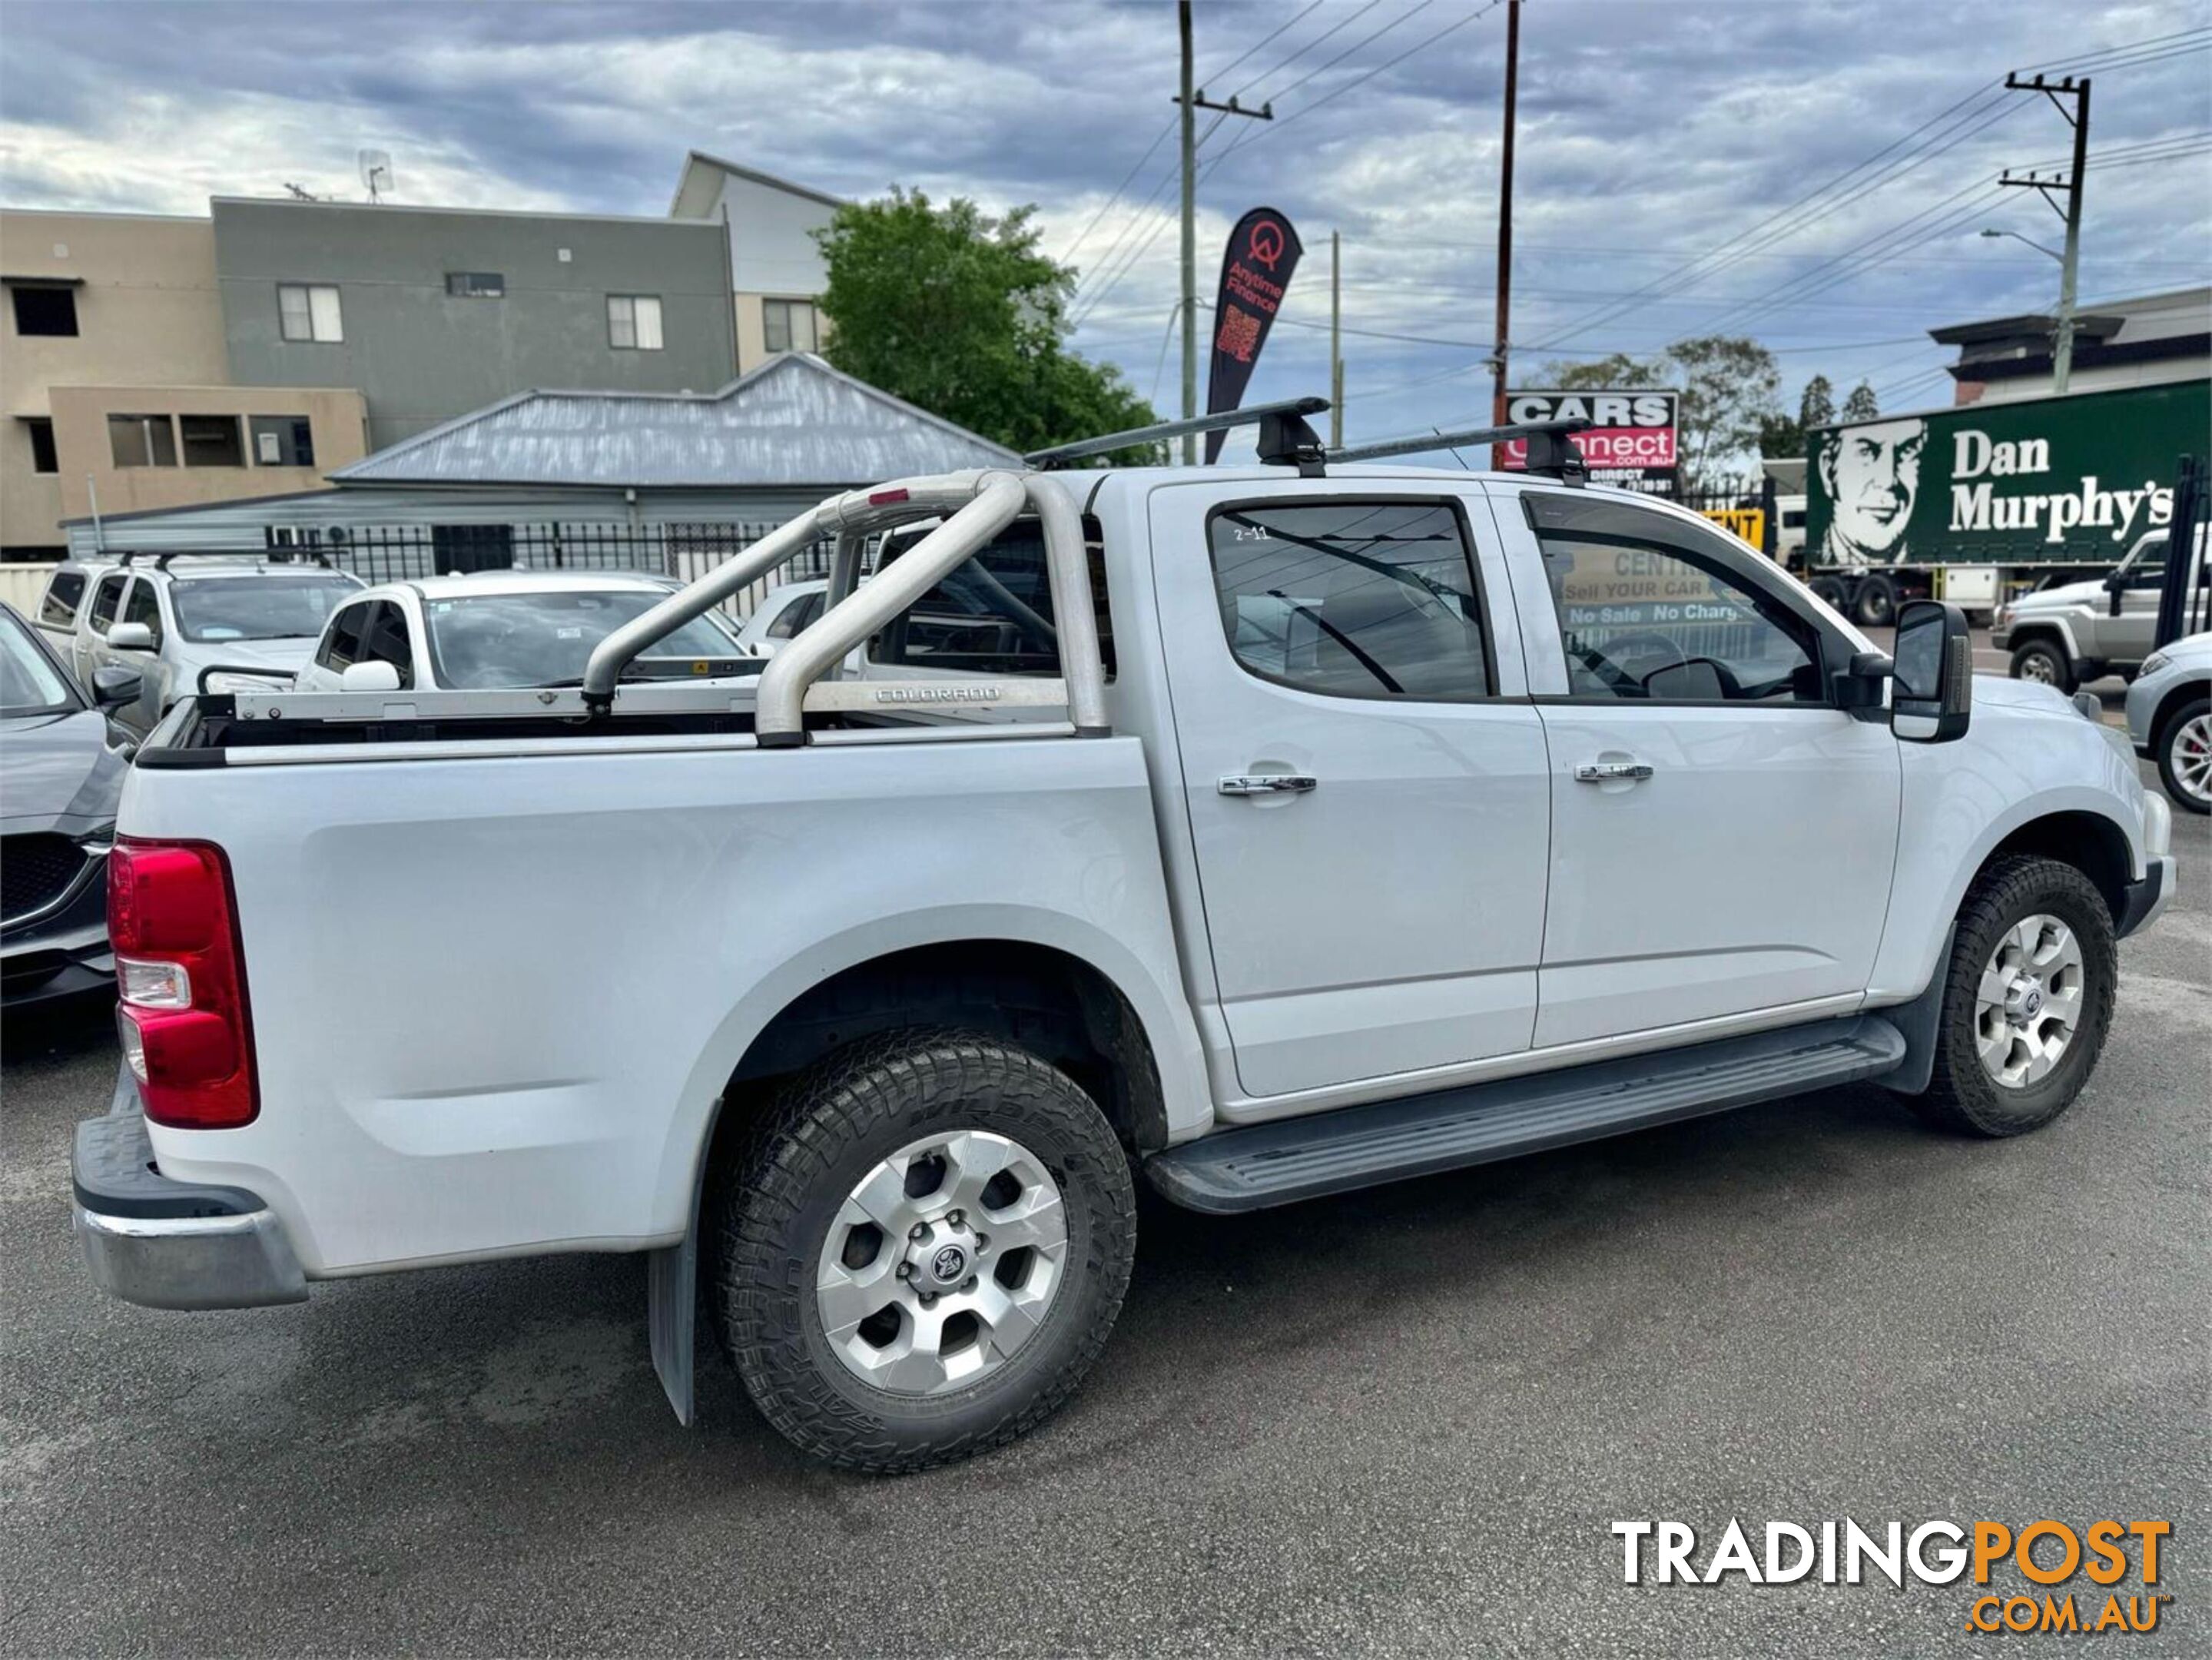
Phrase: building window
{"type": "Point", "coordinates": [141, 440]}
{"type": "Point", "coordinates": [211, 440]}
{"type": "Point", "coordinates": [475, 284]}
{"type": "Point", "coordinates": [310, 312]}
{"type": "Point", "coordinates": [42, 446]}
{"type": "Point", "coordinates": [44, 311]}
{"type": "Point", "coordinates": [789, 326]}
{"type": "Point", "coordinates": [282, 441]}
{"type": "Point", "coordinates": [633, 322]}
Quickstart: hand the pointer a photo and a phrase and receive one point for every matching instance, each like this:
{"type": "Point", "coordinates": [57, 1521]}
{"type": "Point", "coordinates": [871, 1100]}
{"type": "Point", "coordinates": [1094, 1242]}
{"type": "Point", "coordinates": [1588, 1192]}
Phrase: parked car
{"type": "Point", "coordinates": [1384, 824]}
{"type": "Point", "coordinates": [61, 775]}
{"type": "Point", "coordinates": [67, 588]}
{"type": "Point", "coordinates": [2170, 718]}
{"type": "Point", "coordinates": [2077, 631]}
{"type": "Point", "coordinates": [781, 614]}
{"type": "Point", "coordinates": [510, 628]}
{"type": "Point", "coordinates": [246, 623]}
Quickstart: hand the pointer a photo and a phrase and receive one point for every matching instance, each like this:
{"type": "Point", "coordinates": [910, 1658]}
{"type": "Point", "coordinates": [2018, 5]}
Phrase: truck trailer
{"type": "Point", "coordinates": [1980, 503]}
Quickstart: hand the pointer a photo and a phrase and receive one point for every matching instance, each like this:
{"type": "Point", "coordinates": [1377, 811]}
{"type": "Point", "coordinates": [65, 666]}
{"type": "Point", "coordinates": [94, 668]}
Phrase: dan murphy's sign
{"type": "Point", "coordinates": [2046, 481]}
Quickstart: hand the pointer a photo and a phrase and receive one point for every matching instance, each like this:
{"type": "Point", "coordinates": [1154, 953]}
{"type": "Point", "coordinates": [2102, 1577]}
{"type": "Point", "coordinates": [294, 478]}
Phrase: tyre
{"type": "Point", "coordinates": [2183, 749]}
{"type": "Point", "coordinates": [1832, 592]}
{"type": "Point", "coordinates": [2045, 661]}
{"type": "Point", "coordinates": [923, 1249]}
{"type": "Point", "coordinates": [1876, 604]}
{"type": "Point", "coordinates": [2028, 1000]}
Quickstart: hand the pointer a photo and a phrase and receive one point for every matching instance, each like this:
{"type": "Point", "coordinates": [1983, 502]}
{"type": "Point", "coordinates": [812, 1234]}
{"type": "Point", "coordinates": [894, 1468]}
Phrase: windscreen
{"type": "Point", "coordinates": [256, 607]}
{"type": "Point", "coordinates": [486, 639]}
{"type": "Point", "coordinates": [29, 683]}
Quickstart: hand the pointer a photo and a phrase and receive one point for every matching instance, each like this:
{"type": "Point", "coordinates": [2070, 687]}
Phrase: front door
{"type": "Point", "coordinates": [1369, 815]}
{"type": "Point", "coordinates": [1722, 836]}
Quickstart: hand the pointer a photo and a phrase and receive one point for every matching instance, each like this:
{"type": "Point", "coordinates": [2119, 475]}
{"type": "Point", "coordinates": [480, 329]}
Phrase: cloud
{"type": "Point", "coordinates": [1649, 136]}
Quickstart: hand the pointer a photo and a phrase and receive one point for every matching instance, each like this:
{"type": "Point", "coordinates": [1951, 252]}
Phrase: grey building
{"type": "Point", "coordinates": [434, 312]}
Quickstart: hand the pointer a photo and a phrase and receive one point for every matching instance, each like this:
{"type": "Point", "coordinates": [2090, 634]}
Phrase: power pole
{"type": "Point", "coordinates": [2062, 346]}
{"type": "Point", "coordinates": [1505, 215]}
{"type": "Point", "coordinates": [1335, 342]}
{"type": "Point", "coordinates": [1193, 101]}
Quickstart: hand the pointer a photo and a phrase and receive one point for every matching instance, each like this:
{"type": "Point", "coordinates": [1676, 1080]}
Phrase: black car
{"type": "Point", "coordinates": [60, 779]}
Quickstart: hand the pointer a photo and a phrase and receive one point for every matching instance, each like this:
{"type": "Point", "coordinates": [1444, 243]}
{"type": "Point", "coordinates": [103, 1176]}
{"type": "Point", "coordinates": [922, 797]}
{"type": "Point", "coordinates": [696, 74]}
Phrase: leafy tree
{"type": "Point", "coordinates": [1781, 438]}
{"type": "Point", "coordinates": [1817, 408]}
{"type": "Point", "coordinates": [1731, 394]}
{"type": "Point", "coordinates": [959, 313]}
{"type": "Point", "coordinates": [1861, 405]}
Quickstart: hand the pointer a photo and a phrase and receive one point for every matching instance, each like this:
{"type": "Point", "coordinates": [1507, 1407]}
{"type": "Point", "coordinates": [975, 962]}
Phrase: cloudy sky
{"type": "Point", "coordinates": [1812, 174]}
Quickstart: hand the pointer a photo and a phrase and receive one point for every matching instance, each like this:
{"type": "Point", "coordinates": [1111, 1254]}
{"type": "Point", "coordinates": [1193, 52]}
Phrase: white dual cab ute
{"type": "Point", "coordinates": [1294, 828]}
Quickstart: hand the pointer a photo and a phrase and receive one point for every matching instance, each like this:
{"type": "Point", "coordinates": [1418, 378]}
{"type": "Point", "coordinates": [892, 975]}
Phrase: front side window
{"type": "Point", "coordinates": [799, 614]}
{"type": "Point", "coordinates": [141, 440]}
{"type": "Point", "coordinates": [1351, 598]}
{"type": "Point", "coordinates": [633, 322]}
{"type": "Point", "coordinates": [341, 647]}
{"type": "Point", "coordinates": [211, 440]}
{"type": "Point", "coordinates": [107, 599]}
{"type": "Point", "coordinates": [282, 441]}
{"type": "Point", "coordinates": [384, 640]}
{"type": "Point", "coordinates": [485, 639]}
{"type": "Point", "coordinates": [144, 605]}
{"type": "Point", "coordinates": [789, 326]}
{"type": "Point", "coordinates": [256, 607]}
{"type": "Point", "coordinates": [64, 590]}
{"type": "Point", "coordinates": [310, 311]}
{"type": "Point", "coordinates": [1641, 620]}
{"type": "Point", "coordinates": [30, 682]}
{"type": "Point", "coordinates": [44, 310]}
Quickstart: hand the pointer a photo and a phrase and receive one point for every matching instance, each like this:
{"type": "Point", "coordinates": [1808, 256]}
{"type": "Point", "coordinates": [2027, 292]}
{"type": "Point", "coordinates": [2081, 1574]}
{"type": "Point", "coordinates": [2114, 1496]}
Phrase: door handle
{"type": "Point", "coordinates": [1269, 783]}
{"type": "Point", "coordinates": [1604, 772]}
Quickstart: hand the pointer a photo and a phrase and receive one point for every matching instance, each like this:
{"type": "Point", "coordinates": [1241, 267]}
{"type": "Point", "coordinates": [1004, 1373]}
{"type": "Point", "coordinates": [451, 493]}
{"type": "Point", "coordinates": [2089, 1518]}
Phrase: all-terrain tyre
{"type": "Point", "coordinates": [928, 1171]}
{"type": "Point", "coordinates": [1986, 1079]}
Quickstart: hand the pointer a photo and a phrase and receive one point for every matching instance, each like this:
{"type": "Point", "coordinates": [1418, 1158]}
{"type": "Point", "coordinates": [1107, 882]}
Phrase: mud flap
{"type": "Point", "coordinates": [1919, 1020]}
{"type": "Point", "coordinates": [672, 1299]}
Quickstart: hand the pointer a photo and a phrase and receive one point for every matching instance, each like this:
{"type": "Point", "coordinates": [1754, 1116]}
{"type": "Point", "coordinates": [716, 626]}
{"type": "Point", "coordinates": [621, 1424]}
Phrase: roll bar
{"type": "Point", "coordinates": [975, 507]}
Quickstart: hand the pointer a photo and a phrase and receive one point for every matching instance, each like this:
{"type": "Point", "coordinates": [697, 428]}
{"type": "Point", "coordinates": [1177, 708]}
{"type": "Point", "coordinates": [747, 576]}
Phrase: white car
{"type": "Point", "coordinates": [1363, 826]}
{"type": "Point", "coordinates": [489, 630]}
{"type": "Point", "coordinates": [2170, 718]}
{"type": "Point", "coordinates": [781, 614]}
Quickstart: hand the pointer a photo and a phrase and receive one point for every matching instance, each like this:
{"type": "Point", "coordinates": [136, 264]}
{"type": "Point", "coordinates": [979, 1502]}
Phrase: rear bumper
{"type": "Point", "coordinates": [169, 1245]}
{"type": "Point", "coordinates": [2146, 899]}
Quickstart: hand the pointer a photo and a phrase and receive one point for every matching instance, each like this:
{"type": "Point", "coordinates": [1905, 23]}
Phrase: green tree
{"type": "Point", "coordinates": [1731, 391]}
{"type": "Point", "coordinates": [1817, 408]}
{"type": "Point", "coordinates": [959, 313]}
{"type": "Point", "coordinates": [1861, 405]}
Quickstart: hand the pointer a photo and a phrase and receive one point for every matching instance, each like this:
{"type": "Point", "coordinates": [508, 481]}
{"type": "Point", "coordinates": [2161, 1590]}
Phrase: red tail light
{"type": "Point", "coordinates": [186, 1029]}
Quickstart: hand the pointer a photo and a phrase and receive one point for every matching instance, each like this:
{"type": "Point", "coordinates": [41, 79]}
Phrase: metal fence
{"type": "Point", "coordinates": [685, 551]}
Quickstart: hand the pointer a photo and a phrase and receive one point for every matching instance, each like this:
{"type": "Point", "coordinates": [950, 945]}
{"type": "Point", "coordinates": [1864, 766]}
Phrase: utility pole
{"type": "Point", "coordinates": [1192, 101]}
{"type": "Point", "coordinates": [1335, 340]}
{"type": "Point", "coordinates": [1505, 215]}
{"type": "Point", "coordinates": [2062, 346]}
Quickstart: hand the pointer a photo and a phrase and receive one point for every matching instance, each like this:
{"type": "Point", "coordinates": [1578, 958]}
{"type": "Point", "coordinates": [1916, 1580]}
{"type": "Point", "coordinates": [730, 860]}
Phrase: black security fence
{"type": "Point", "coordinates": [683, 551]}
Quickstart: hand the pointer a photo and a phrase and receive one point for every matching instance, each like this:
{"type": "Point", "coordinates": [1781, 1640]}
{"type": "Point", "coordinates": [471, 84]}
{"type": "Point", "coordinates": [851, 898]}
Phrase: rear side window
{"type": "Point", "coordinates": [105, 599]}
{"type": "Point", "coordinates": [384, 640]}
{"type": "Point", "coordinates": [1352, 598]}
{"type": "Point", "coordinates": [341, 647]}
{"type": "Point", "coordinates": [64, 590]}
{"type": "Point", "coordinates": [144, 605]}
{"type": "Point", "coordinates": [992, 615]}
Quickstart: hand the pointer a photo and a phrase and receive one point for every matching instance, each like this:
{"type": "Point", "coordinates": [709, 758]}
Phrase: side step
{"type": "Point", "coordinates": [1325, 1153]}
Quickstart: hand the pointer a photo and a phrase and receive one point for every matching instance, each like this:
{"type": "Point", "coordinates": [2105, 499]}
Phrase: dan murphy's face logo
{"type": "Point", "coordinates": [1265, 245]}
{"type": "Point", "coordinates": [2045, 1576]}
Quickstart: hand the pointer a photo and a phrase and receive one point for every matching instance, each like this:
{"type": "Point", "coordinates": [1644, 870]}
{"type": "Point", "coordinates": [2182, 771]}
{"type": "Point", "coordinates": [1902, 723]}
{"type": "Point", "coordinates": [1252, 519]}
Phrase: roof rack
{"type": "Point", "coordinates": [1549, 452]}
{"type": "Point", "coordinates": [1286, 439]}
{"type": "Point", "coordinates": [261, 556]}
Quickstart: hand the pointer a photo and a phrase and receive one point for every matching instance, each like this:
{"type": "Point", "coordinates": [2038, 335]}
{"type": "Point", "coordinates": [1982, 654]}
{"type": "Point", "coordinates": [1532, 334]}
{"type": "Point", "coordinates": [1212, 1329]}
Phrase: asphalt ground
{"type": "Point", "coordinates": [1403, 1421]}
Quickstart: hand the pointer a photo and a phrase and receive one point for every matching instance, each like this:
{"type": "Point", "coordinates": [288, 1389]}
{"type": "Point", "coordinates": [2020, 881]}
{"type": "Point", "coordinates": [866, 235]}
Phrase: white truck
{"type": "Point", "coordinates": [1282, 833]}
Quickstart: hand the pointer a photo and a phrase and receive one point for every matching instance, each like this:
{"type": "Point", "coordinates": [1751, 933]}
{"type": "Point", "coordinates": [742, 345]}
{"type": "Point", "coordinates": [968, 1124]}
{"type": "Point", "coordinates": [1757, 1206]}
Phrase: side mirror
{"type": "Point", "coordinates": [373, 675]}
{"type": "Point", "coordinates": [1859, 686]}
{"type": "Point", "coordinates": [130, 636]}
{"type": "Point", "coordinates": [1932, 696]}
{"type": "Point", "coordinates": [113, 685]}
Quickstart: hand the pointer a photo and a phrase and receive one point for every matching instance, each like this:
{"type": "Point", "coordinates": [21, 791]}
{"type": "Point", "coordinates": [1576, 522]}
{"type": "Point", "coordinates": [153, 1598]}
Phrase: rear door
{"type": "Point", "coordinates": [1722, 836]}
{"type": "Point", "coordinates": [1366, 785]}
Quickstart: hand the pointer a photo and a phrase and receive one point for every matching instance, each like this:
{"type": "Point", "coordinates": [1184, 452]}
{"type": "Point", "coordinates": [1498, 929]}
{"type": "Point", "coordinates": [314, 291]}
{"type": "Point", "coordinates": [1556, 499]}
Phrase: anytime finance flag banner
{"type": "Point", "coordinates": [1255, 268]}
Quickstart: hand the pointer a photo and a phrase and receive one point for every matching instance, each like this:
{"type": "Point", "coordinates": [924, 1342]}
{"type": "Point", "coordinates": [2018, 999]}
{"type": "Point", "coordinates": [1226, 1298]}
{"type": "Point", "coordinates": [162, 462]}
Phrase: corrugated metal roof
{"type": "Point", "coordinates": [793, 421]}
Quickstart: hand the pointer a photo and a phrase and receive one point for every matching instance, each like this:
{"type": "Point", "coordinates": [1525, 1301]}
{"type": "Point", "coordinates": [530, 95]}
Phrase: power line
{"type": "Point", "coordinates": [1249, 50]}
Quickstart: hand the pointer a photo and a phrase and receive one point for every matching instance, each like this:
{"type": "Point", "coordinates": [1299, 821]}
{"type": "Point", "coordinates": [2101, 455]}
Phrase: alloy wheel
{"type": "Point", "coordinates": [2029, 1003]}
{"type": "Point", "coordinates": [2189, 756]}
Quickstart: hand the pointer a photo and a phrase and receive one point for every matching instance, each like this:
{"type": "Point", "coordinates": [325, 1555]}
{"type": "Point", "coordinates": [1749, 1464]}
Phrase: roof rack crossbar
{"type": "Point", "coordinates": [1282, 416]}
{"type": "Point", "coordinates": [1549, 452]}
